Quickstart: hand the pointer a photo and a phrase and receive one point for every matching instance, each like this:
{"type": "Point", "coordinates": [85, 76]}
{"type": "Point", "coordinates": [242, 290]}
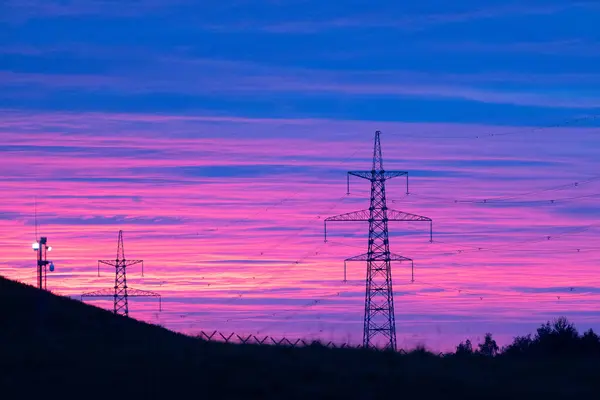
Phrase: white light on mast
{"type": "Point", "coordinates": [35, 246]}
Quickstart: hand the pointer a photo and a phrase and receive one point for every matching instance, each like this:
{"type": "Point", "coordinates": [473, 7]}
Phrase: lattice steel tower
{"type": "Point", "coordinates": [379, 317]}
{"type": "Point", "coordinates": [121, 292]}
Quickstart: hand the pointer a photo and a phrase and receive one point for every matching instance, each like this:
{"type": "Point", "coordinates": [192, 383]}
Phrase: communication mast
{"type": "Point", "coordinates": [43, 264]}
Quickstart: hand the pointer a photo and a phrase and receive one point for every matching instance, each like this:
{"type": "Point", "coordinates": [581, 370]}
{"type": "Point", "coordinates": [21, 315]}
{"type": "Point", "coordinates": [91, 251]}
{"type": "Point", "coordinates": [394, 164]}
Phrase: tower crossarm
{"type": "Point", "coordinates": [125, 262]}
{"type": "Point", "coordinates": [378, 257]}
{"type": "Point", "coordinates": [130, 293]}
{"type": "Point", "coordinates": [141, 293]}
{"type": "Point", "coordinates": [361, 215]}
{"type": "Point", "coordinates": [99, 293]}
{"type": "Point", "coordinates": [381, 257]}
{"type": "Point", "coordinates": [355, 216]}
{"type": "Point", "coordinates": [376, 175]}
{"type": "Point", "coordinates": [393, 215]}
{"type": "Point", "coordinates": [115, 263]}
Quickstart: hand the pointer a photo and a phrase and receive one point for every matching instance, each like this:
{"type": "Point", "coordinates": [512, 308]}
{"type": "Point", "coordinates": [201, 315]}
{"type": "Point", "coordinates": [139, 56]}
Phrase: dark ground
{"type": "Point", "coordinates": [62, 348]}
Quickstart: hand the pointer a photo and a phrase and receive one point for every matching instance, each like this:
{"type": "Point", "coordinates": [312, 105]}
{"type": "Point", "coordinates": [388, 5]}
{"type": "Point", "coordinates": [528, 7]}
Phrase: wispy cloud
{"type": "Point", "coordinates": [25, 9]}
{"type": "Point", "coordinates": [233, 247]}
{"type": "Point", "coordinates": [578, 47]}
{"type": "Point", "coordinates": [400, 19]}
{"type": "Point", "coordinates": [220, 78]}
{"type": "Point", "coordinates": [258, 18]}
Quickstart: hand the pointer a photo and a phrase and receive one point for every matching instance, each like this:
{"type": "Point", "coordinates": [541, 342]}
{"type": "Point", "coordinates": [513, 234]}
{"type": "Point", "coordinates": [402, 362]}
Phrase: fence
{"type": "Point", "coordinates": [267, 340]}
{"type": "Point", "coordinates": [217, 336]}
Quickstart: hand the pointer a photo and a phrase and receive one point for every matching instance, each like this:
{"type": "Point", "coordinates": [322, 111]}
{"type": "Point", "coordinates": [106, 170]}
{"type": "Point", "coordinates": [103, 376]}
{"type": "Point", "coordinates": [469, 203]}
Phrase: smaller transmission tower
{"type": "Point", "coordinates": [121, 292]}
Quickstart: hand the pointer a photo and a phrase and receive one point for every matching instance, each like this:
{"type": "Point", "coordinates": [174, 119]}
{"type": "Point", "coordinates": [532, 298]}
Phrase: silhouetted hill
{"type": "Point", "coordinates": [61, 347]}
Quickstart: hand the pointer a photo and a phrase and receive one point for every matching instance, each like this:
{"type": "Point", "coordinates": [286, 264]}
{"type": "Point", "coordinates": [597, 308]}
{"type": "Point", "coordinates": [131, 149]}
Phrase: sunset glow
{"type": "Point", "coordinates": [220, 170]}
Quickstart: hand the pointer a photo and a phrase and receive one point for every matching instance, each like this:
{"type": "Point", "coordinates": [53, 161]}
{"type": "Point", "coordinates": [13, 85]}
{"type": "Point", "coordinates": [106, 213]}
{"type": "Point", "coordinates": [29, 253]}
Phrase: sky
{"type": "Point", "coordinates": [217, 135]}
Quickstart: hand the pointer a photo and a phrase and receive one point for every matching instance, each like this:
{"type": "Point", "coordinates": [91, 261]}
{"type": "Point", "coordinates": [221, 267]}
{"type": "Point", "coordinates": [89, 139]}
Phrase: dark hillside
{"type": "Point", "coordinates": [60, 347]}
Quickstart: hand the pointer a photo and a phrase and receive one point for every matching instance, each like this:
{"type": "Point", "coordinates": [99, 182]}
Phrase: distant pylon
{"type": "Point", "coordinates": [121, 292]}
{"type": "Point", "coordinates": [379, 317]}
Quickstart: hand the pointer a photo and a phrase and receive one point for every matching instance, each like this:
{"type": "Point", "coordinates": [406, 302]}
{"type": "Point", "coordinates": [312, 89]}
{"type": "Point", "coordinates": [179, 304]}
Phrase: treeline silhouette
{"type": "Point", "coordinates": [558, 338]}
{"type": "Point", "coordinates": [55, 346]}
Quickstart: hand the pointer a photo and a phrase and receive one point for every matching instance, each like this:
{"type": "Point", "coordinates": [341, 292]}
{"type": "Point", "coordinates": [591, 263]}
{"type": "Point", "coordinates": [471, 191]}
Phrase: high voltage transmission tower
{"type": "Point", "coordinates": [379, 317]}
{"type": "Point", "coordinates": [121, 292]}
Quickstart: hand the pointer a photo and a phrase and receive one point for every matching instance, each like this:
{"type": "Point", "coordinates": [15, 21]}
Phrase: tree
{"type": "Point", "coordinates": [560, 327]}
{"type": "Point", "coordinates": [465, 348]}
{"type": "Point", "coordinates": [521, 345]}
{"type": "Point", "coordinates": [590, 343]}
{"type": "Point", "coordinates": [558, 337]}
{"type": "Point", "coordinates": [489, 347]}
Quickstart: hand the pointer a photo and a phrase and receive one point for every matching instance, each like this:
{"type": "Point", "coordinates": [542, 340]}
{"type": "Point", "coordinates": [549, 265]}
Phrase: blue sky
{"type": "Point", "coordinates": [529, 62]}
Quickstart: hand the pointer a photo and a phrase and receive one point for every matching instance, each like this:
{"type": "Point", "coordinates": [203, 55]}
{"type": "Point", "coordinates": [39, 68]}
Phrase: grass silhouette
{"type": "Point", "coordinates": [56, 346]}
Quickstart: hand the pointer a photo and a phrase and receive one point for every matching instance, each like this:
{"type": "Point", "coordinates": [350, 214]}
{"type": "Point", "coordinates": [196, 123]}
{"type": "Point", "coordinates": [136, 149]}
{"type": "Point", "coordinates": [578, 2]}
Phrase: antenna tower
{"type": "Point", "coordinates": [379, 317]}
{"type": "Point", "coordinates": [121, 291]}
{"type": "Point", "coordinates": [40, 246]}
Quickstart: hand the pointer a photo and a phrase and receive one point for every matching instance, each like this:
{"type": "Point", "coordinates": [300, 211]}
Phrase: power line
{"type": "Point", "coordinates": [289, 197]}
{"type": "Point", "coordinates": [571, 185]}
{"type": "Point", "coordinates": [515, 131]}
{"type": "Point", "coordinates": [305, 256]}
{"type": "Point", "coordinates": [539, 238]}
{"type": "Point", "coordinates": [571, 292]}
